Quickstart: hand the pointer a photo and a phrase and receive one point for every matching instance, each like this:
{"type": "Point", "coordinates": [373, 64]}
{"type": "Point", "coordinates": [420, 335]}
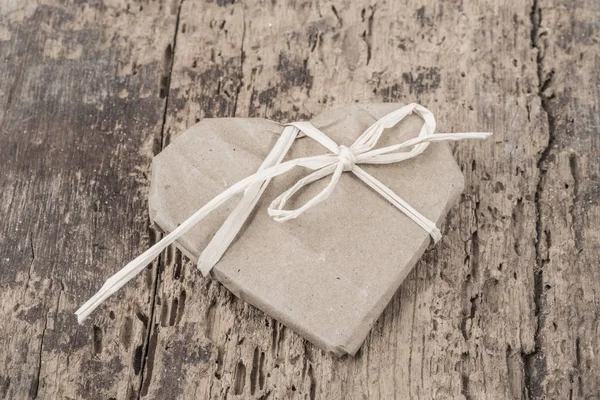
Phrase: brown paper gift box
{"type": "Point", "coordinates": [328, 274]}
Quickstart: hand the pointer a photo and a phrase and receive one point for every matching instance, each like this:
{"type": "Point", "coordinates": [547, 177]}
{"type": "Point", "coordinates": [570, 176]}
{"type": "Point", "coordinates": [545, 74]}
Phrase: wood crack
{"type": "Point", "coordinates": [577, 222]}
{"type": "Point", "coordinates": [367, 35]}
{"type": "Point", "coordinates": [535, 361]}
{"type": "Point", "coordinates": [167, 85]}
{"type": "Point", "coordinates": [150, 327]}
{"type": "Point", "coordinates": [35, 386]}
{"type": "Point", "coordinates": [242, 59]}
{"type": "Point", "coordinates": [410, 348]}
{"type": "Point", "coordinates": [30, 270]}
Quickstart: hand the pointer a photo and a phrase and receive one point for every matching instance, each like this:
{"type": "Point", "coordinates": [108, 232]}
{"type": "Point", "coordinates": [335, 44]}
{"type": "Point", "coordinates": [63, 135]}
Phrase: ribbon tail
{"type": "Point", "coordinates": [128, 272]}
{"type": "Point", "coordinates": [115, 282]}
{"type": "Point", "coordinates": [397, 201]}
{"type": "Point", "coordinates": [234, 222]}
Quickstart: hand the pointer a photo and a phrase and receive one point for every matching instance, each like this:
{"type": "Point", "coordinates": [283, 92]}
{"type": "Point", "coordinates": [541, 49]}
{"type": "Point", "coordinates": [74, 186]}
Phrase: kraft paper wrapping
{"type": "Point", "coordinates": [328, 274]}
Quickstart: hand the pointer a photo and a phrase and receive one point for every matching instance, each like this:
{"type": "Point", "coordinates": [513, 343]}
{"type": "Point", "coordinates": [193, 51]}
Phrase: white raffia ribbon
{"type": "Point", "coordinates": [340, 159]}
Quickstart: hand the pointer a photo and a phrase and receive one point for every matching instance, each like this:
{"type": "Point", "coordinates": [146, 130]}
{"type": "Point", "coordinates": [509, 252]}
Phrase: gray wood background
{"type": "Point", "coordinates": [506, 306]}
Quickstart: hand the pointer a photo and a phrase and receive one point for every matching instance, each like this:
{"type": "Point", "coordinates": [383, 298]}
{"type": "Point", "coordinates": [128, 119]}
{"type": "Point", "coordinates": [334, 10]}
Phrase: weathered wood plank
{"type": "Point", "coordinates": [565, 364]}
{"type": "Point", "coordinates": [80, 109]}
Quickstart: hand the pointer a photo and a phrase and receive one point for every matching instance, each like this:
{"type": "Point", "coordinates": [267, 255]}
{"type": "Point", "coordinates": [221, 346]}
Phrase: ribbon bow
{"type": "Point", "coordinates": [339, 160]}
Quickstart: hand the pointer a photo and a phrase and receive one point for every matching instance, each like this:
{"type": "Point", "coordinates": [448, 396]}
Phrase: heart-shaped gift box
{"type": "Point", "coordinates": [329, 274]}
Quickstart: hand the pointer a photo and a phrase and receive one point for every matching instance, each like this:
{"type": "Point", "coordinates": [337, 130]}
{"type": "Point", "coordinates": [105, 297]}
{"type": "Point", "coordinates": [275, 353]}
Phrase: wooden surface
{"type": "Point", "coordinates": [505, 306]}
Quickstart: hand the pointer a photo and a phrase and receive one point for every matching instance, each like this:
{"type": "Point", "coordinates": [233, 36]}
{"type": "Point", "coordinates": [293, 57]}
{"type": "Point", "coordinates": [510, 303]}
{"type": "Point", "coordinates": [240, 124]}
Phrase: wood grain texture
{"type": "Point", "coordinates": [80, 109]}
{"type": "Point", "coordinates": [505, 306]}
